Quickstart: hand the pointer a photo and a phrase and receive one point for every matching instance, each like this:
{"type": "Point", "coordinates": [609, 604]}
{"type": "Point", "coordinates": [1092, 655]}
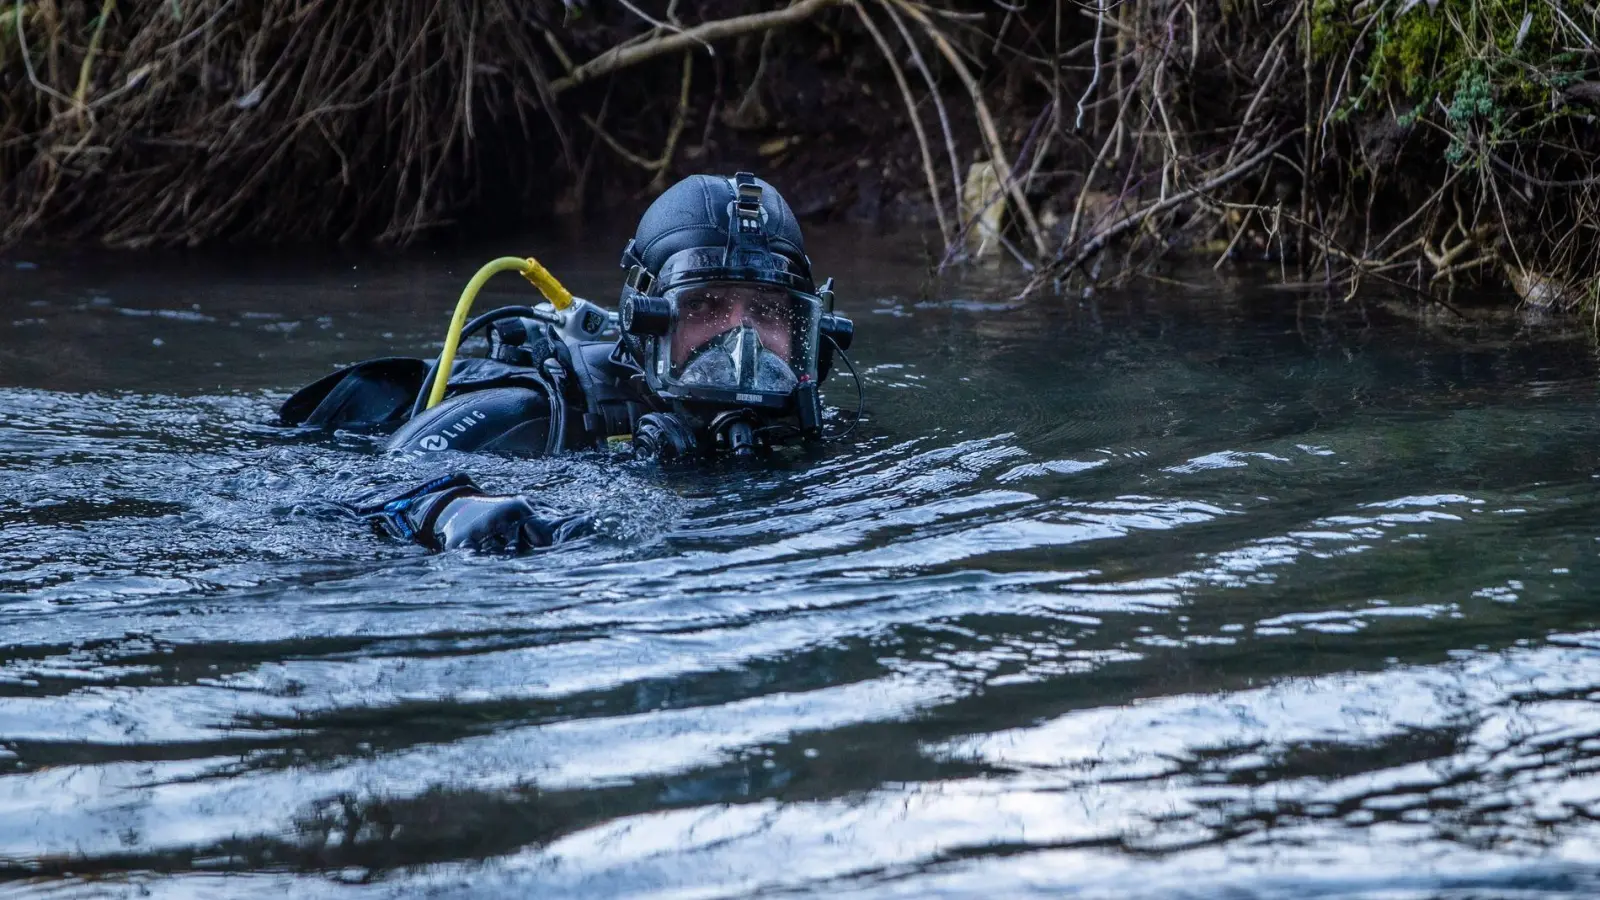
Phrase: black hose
{"type": "Point", "coordinates": [558, 409]}
{"type": "Point", "coordinates": [560, 425]}
{"type": "Point", "coordinates": [861, 396]}
{"type": "Point", "coordinates": [493, 315]}
{"type": "Point", "coordinates": [556, 430]}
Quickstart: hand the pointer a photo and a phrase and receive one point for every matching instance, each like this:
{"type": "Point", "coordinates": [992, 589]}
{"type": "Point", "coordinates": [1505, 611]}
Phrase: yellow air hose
{"type": "Point", "coordinates": [537, 275]}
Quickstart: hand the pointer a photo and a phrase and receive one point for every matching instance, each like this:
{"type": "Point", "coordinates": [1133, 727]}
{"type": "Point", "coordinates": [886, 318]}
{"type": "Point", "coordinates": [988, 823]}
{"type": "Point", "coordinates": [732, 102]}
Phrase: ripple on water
{"type": "Point", "coordinates": [1276, 620]}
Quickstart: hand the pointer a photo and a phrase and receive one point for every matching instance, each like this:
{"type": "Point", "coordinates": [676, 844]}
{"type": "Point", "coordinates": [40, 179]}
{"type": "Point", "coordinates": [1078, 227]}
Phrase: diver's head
{"type": "Point", "coordinates": [720, 311]}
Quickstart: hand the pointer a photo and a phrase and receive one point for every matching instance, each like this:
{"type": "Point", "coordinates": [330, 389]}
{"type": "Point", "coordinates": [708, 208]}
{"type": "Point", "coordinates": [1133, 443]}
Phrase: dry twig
{"type": "Point", "coordinates": [624, 57]}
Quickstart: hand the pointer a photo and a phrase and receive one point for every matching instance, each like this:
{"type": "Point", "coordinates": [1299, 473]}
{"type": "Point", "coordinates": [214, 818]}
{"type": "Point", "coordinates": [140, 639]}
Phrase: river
{"type": "Point", "coordinates": [1200, 588]}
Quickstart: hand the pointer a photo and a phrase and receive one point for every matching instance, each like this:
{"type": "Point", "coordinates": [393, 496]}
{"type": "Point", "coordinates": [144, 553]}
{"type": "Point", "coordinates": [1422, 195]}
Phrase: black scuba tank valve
{"type": "Point", "coordinates": [506, 339]}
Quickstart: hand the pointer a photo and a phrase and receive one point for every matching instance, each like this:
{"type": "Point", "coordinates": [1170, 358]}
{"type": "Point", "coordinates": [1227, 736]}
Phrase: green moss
{"type": "Point", "coordinates": [1331, 29]}
{"type": "Point", "coordinates": [1496, 66]}
{"type": "Point", "coordinates": [1418, 43]}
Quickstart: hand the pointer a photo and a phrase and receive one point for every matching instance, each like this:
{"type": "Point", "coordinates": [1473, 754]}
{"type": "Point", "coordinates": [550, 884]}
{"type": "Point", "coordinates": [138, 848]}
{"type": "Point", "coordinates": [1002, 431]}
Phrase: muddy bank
{"type": "Point", "coordinates": [1428, 144]}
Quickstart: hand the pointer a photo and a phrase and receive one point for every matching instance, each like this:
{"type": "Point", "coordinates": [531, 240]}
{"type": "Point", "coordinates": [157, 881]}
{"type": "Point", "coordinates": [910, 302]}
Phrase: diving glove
{"type": "Point", "coordinates": [452, 512]}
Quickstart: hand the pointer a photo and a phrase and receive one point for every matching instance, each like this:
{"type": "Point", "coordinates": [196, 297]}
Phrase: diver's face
{"type": "Point", "coordinates": [708, 311]}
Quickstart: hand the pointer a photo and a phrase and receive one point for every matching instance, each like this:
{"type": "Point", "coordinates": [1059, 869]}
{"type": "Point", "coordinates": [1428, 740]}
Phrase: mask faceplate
{"type": "Point", "coordinates": [738, 360]}
{"type": "Point", "coordinates": [741, 337]}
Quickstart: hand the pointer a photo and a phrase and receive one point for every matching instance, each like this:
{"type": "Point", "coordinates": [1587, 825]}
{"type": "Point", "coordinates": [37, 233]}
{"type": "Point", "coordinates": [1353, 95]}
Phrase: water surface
{"type": "Point", "coordinates": [1179, 591]}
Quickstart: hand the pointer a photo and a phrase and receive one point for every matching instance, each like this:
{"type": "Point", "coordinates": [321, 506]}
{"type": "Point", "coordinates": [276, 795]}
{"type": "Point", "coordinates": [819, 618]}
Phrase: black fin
{"type": "Point", "coordinates": [371, 394]}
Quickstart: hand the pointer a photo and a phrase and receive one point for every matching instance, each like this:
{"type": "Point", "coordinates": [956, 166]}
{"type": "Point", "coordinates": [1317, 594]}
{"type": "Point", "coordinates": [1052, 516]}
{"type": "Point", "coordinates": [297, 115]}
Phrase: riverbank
{"type": "Point", "coordinates": [1424, 144]}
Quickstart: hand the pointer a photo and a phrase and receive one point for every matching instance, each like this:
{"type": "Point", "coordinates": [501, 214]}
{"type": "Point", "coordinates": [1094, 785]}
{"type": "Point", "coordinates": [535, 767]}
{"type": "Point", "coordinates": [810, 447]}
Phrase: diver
{"type": "Point", "coordinates": [718, 346]}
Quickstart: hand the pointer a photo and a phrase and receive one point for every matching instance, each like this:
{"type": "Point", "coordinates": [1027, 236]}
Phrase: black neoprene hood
{"type": "Point", "coordinates": [694, 213]}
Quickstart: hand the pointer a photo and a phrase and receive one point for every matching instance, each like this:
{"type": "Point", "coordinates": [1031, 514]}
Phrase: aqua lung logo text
{"type": "Point", "coordinates": [436, 442]}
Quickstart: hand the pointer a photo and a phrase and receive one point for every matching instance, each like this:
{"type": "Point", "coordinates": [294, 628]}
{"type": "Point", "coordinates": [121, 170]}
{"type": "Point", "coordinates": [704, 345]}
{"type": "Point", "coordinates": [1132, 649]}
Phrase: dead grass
{"type": "Point", "coordinates": [1346, 140]}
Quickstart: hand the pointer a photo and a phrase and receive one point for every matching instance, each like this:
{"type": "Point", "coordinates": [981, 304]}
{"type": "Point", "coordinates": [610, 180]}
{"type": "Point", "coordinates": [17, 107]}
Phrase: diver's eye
{"type": "Point", "coordinates": [767, 307]}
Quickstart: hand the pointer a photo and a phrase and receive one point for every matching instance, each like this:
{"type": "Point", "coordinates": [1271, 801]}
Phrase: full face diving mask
{"type": "Point", "coordinates": [756, 342]}
{"type": "Point", "coordinates": [735, 327]}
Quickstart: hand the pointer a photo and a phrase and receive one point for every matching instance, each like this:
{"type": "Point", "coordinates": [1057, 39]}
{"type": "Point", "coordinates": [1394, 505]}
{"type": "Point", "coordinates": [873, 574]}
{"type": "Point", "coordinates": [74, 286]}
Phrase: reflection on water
{"type": "Point", "coordinates": [1174, 593]}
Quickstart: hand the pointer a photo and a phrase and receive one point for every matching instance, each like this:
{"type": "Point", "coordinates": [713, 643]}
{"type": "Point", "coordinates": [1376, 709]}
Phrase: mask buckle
{"type": "Point", "coordinates": [639, 279]}
{"type": "Point", "coordinates": [747, 232]}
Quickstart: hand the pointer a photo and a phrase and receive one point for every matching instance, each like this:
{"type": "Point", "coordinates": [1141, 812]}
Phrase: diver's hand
{"type": "Point", "coordinates": [451, 511]}
{"type": "Point", "coordinates": [501, 524]}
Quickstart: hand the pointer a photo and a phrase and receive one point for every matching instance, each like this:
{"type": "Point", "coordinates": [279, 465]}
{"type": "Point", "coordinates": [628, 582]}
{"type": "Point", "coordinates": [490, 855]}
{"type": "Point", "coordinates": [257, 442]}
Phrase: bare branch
{"type": "Point", "coordinates": [1132, 220]}
{"type": "Point", "coordinates": [624, 57]}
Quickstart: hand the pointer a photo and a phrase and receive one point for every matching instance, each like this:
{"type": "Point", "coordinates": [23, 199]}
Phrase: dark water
{"type": "Point", "coordinates": [1183, 592]}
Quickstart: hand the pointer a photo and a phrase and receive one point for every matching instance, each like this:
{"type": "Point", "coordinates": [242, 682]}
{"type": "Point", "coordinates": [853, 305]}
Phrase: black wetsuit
{"type": "Point", "coordinates": [549, 385]}
{"type": "Point", "coordinates": [540, 396]}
